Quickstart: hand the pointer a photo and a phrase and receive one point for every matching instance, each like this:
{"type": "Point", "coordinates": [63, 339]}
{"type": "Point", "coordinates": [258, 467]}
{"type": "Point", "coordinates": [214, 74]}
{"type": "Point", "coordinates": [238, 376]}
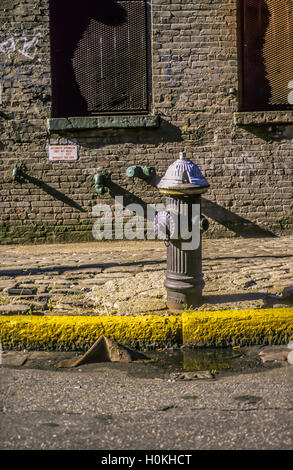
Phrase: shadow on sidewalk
{"type": "Point", "coordinates": [62, 269]}
{"type": "Point", "coordinates": [103, 266]}
{"type": "Point", "coordinates": [269, 300]}
{"type": "Point", "coordinates": [246, 257]}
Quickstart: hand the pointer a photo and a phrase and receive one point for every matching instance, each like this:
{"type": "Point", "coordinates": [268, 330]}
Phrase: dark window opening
{"type": "Point", "coordinates": [267, 55]}
{"type": "Point", "coordinates": [99, 57]}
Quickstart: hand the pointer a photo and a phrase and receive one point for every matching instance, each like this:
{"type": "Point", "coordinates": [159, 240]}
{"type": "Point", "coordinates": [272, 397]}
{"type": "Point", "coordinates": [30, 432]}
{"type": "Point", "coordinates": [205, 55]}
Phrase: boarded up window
{"type": "Point", "coordinates": [267, 54]}
{"type": "Point", "coordinates": [98, 57]}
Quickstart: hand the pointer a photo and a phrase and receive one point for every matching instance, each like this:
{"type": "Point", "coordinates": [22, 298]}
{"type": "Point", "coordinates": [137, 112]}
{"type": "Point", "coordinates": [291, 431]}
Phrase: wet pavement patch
{"type": "Point", "coordinates": [169, 364]}
{"type": "Point", "coordinates": [197, 359]}
{"type": "Point", "coordinates": [211, 362]}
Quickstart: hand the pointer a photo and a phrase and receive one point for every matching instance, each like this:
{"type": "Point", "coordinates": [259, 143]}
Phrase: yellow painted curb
{"type": "Point", "coordinates": [77, 333]}
{"type": "Point", "coordinates": [236, 327]}
{"type": "Point", "coordinates": [201, 328]}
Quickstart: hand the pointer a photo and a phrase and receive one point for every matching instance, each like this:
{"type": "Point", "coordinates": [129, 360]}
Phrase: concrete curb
{"type": "Point", "coordinates": [78, 333]}
{"type": "Point", "coordinates": [238, 327]}
{"type": "Point", "coordinates": [213, 328]}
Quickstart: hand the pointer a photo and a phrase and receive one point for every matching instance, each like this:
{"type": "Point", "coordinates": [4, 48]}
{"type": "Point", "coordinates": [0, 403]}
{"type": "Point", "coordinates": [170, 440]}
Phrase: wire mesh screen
{"type": "Point", "coordinates": [99, 57]}
{"type": "Point", "coordinates": [267, 52]}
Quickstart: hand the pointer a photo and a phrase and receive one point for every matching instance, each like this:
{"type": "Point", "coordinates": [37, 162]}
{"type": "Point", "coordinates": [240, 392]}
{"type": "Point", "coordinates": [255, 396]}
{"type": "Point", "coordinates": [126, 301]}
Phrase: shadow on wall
{"type": "Point", "coordinates": [237, 224]}
{"type": "Point", "coordinates": [271, 132]}
{"type": "Point", "coordinates": [52, 191]}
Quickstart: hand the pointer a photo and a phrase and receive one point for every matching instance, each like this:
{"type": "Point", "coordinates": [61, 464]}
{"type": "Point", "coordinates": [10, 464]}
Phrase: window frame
{"type": "Point", "coordinates": [242, 106]}
{"type": "Point", "coordinates": [148, 81]}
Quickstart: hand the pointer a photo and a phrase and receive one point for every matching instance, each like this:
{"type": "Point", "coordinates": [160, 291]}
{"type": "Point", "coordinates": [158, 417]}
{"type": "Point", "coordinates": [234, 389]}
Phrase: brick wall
{"type": "Point", "coordinates": [194, 69]}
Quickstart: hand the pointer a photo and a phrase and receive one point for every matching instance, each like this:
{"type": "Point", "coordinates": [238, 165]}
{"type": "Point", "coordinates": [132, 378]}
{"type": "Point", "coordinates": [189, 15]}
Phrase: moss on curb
{"type": "Point", "coordinates": [217, 328]}
{"type": "Point", "coordinates": [238, 327]}
{"type": "Point", "coordinates": [78, 333]}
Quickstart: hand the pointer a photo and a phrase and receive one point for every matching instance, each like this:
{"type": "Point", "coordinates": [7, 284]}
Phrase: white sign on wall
{"type": "Point", "coordinates": [63, 152]}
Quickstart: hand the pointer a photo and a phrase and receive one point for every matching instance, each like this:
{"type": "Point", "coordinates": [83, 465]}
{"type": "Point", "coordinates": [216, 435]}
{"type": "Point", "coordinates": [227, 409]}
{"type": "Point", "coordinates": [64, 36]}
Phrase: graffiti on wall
{"type": "Point", "coordinates": [22, 75]}
{"type": "Point", "coordinates": [22, 45]}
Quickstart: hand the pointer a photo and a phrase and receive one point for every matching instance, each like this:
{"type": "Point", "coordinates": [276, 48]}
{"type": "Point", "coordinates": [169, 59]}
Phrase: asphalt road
{"type": "Point", "coordinates": [136, 406]}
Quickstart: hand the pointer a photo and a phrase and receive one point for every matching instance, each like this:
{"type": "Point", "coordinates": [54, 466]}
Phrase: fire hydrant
{"type": "Point", "coordinates": [180, 225]}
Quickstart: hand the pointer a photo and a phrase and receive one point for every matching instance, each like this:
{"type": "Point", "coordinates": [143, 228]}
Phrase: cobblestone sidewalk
{"type": "Point", "coordinates": [127, 278]}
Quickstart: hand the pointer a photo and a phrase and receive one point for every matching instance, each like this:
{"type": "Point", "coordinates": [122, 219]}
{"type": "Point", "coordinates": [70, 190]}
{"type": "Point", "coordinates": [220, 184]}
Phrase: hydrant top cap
{"type": "Point", "coordinates": [183, 176]}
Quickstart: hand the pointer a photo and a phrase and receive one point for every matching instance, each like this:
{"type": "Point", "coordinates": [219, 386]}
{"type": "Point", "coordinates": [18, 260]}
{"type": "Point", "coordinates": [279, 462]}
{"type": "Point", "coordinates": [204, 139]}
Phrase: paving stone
{"type": "Point", "coordinates": [76, 274]}
{"type": "Point", "coordinates": [14, 309]}
{"type": "Point", "coordinates": [50, 274]}
{"type": "Point", "coordinates": [123, 269]}
{"type": "Point", "coordinates": [66, 291]}
{"type": "Point", "coordinates": [25, 280]}
{"type": "Point", "coordinates": [21, 290]}
{"type": "Point", "coordinates": [85, 283]}
{"type": "Point", "coordinates": [155, 267]}
{"type": "Point", "coordinates": [118, 275]}
{"type": "Point", "coordinates": [57, 281]}
{"type": "Point", "coordinates": [36, 298]}
{"type": "Point", "coordinates": [38, 306]}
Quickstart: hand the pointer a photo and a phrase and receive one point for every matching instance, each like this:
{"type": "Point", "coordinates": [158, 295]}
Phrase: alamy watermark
{"type": "Point", "coordinates": [134, 222]}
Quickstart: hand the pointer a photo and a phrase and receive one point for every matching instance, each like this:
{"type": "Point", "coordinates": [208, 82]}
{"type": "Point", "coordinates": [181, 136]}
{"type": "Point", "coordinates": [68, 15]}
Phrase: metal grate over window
{"type": "Point", "coordinates": [98, 57]}
{"type": "Point", "coordinates": [267, 54]}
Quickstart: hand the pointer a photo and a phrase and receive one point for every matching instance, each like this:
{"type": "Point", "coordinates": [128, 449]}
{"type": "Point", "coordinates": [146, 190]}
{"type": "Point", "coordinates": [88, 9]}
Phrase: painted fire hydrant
{"type": "Point", "coordinates": [180, 225]}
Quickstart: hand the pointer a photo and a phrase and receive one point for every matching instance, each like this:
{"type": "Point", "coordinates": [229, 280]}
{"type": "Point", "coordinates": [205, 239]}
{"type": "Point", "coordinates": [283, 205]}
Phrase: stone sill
{"type": "Point", "coordinates": [102, 122]}
{"type": "Point", "coordinates": [263, 117]}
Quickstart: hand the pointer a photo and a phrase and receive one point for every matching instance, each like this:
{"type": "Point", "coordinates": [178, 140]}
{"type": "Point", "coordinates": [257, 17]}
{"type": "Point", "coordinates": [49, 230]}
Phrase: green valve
{"type": "Point", "coordinates": [142, 172]}
{"type": "Point", "coordinates": [102, 180]}
{"type": "Point", "coordinates": [18, 172]}
{"type": "Point", "coordinates": [100, 189]}
{"type": "Point", "coordinates": [131, 171]}
{"type": "Point", "coordinates": [15, 172]}
{"type": "Point", "coordinates": [148, 171]}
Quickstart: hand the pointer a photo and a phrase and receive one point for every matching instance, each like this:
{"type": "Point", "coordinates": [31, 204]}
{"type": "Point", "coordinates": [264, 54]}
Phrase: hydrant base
{"type": "Point", "coordinates": [184, 290]}
{"type": "Point", "coordinates": [183, 301]}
